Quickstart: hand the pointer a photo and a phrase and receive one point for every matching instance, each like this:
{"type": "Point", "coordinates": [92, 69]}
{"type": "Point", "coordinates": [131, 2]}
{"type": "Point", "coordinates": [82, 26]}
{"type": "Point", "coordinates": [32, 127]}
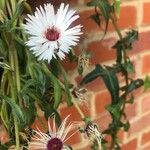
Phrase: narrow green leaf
{"type": "Point", "coordinates": [57, 94]}
{"type": "Point", "coordinates": [2, 4]}
{"type": "Point", "coordinates": [15, 108]}
{"type": "Point", "coordinates": [147, 82]}
{"type": "Point", "coordinates": [56, 85]}
{"type": "Point", "coordinates": [67, 90]}
{"type": "Point", "coordinates": [117, 7]}
{"type": "Point", "coordinates": [4, 114]}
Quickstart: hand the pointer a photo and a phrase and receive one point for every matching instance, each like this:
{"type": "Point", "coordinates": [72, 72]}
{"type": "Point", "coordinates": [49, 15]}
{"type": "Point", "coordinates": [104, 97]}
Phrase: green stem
{"type": "Point", "coordinates": [16, 132]}
{"type": "Point", "coordinates": [14, 81]}
{"type": "Point", "coordinates": [17, 70]}
{"type": "Point", "coordinates": [62, 85]}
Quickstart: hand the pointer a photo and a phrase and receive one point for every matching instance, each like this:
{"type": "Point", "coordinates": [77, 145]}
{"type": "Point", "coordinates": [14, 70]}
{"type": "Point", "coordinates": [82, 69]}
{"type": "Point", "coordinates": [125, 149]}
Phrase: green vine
{"type": "Point", "coordinates": [123, 65]}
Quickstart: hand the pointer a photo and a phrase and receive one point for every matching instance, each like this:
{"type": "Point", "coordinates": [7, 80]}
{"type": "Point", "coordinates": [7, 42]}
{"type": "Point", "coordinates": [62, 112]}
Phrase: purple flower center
{"type": "Point", "coordinates": [54, 144]}
{"type": "Point", "coordinates": [52, 34]}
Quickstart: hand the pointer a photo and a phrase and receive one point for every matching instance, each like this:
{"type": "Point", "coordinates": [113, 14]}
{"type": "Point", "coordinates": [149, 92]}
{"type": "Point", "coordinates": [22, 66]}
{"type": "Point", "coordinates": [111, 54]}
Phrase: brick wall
{"type": "Point", "coordinates": [134, 14]}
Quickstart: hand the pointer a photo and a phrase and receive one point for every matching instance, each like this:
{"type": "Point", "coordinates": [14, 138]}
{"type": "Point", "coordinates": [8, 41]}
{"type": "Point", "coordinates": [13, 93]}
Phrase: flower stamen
{"type": "Point", "coordinates": [54, 144]}
{"type": "Point", "coordinates": [52, 34]}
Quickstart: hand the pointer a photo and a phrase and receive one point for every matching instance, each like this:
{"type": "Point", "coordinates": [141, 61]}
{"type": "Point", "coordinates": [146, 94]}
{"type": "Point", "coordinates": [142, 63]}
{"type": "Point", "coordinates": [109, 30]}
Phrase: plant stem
{"type": "Point", "coordinates": [78, 108]}
{"type": "Point", "coordinates": [16, 132]}
{"type": "Point", "coordinates": [116, 26]}
{"type": "Point", "coordinates": [72, 98]}
{"type": "Point", "coordinates": [14, 80]}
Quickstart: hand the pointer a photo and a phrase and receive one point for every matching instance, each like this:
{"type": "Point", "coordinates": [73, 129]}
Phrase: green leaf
{"type": "Point", "coordinates": [96, 18]}
{"type": "Point", "coordinates": [29, 110]}
{"type": "Point", "coordinates": [2, 4]}
{"type": "Point", "coordinates": [109, 77]}
{"type": "Point", "coordinates": [132, 86]}
{"type": "Point", "coordinates": [4, 114]}
{"type": "Point", "coordinates": [103, 5]}
{"type": "Point", "coordinates": [115, 109]}
{"type": "Point", "coordinates": [126, 126]}
{"type": "Point", "coordinates": [67, 89]}
{"type": "Point", "coordinates": [18, 10]}
{"type": "Point", "coordinates": [49, 111]}
{"type": "Point", "coordinates": [105, 9]}
{"type": "Point", "coordinates": [56, 85]}
{"type": "Point", "coordinates": [57, 94]}
{"type": "Point", "coordinates": [147, 82]}
{"type": "Point", "coordinates": [128, 66]}
{"type": "Point", "coordinates": [125, 44]}
{"type": "Point", "coordinates": [15, 108]}
{"type": "Point", "coordinates": [94, 74]}
{"type": "Point", "coordinates": [117, 7]}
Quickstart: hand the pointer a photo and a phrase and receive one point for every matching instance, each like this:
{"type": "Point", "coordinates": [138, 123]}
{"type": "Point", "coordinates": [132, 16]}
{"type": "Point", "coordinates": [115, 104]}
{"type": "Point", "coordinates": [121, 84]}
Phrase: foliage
{"type": "Point", "coordinates": [27, 84]}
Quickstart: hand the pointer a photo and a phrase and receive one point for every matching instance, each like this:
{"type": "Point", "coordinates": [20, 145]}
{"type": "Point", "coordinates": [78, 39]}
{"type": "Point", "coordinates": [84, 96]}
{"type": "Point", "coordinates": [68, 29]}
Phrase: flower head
{"type": "Point", "coordinates": [93, 133]}
{"type": "Point", "coordinates": [50, 33]}
{"type": "Point", "coordinates": [54, 140]}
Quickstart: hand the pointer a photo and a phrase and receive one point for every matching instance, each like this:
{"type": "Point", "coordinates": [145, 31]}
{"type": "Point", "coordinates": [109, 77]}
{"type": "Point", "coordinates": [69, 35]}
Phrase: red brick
{"type": "Point", "coordinates": [146, 13]}
{"type": "Point", "coordinates": [74, 114]}
{"type": "Point", "coordinates": [146, 64]}
{"type": "Point", "coordinates": [103, 120]}
{"type": "Point", "coordinates": [69, 65]}
{"type": "Point", "coordinates": [146, 103]}
{"type": "Point", "coordinates": [121, 135]}
{"type": "Point", "coordinates": [132, 145]}
{"type": "Point", "coordinates": [127, 20]}
{"type": "Point", "coordinates": [88, 147]}
{"type": "Point", "coordinates": [102, 51]}
{"type": "Point", "coordinates": [146, 137]}
{"type": "Point", "coordinates": [102, 99]}
{"type": "Point", "coordinates": [140, 124]}
{"type": "Point", "coordinates": [38, 125]}
{"type": "Point", "coordinates": [147, 147]}
{"type": "Point", "coordinates": [75, 139]}
{"type": "Point", "coordinates": [142, 43]}
{"type": "Point", "coordinates": [131, 110]}
{"type": "Point", "coordinates": [88, 24]}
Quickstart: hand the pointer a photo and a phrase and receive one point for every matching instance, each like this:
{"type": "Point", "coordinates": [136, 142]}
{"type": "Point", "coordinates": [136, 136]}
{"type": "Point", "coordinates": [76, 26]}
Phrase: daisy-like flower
{"type": "Point", "coordinates": [50, 33]}
{"type": "Point", "coordinates": [55, 139]}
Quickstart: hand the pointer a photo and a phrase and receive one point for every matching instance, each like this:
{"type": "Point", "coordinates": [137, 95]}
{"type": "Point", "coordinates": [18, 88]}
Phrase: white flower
{"type": "Point", "coordinates": [50, 32]}
{"type": "Point", "coordinates": [54, 140]}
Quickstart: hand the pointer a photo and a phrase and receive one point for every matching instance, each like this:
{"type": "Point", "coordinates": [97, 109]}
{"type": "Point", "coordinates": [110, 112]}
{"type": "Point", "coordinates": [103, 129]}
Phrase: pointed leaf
{"type": "Point", "coordinates": [15, 108]}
